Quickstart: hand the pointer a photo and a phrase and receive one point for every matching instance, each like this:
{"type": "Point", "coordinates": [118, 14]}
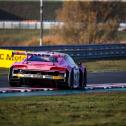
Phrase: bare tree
{"type": "Point", "coordinates": [89, 22]}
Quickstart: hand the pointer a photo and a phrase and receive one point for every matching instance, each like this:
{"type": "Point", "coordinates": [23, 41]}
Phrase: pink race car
{"type": "Point", "coordinates": [47, 69]}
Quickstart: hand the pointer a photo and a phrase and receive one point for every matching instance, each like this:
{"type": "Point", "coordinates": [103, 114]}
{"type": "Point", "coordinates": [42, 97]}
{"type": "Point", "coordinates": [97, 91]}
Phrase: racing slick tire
{"type": "Point", "coordinates": [83, 78]}
{"type": "Point", "coordinates": [71, 79]}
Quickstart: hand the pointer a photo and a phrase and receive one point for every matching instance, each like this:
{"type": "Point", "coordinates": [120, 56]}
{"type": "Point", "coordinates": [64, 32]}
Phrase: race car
{"type": "Point", "coordinates": [47, 69]}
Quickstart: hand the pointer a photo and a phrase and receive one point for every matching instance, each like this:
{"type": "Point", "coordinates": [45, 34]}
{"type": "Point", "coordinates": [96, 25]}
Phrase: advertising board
{"type": "Point", "coordinates": [7, 58]}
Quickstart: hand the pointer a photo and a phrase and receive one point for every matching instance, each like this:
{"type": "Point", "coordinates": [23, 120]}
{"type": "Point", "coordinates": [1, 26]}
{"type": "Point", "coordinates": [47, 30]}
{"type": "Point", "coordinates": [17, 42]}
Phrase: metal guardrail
{"type": "Point", "coordinates": [28, 24]}
{"type": "Point", "coordinates": [82, 52]}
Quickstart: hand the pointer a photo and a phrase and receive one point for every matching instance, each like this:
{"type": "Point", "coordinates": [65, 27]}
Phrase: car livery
{"type": "Point", "coordinates": [47, 69]}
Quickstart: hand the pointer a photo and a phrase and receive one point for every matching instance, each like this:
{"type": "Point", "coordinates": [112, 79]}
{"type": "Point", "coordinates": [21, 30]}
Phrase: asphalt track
{"type": "Point", "coordinates": [97, 82]}
{"type": "Point", "coordinates": [93, 78]}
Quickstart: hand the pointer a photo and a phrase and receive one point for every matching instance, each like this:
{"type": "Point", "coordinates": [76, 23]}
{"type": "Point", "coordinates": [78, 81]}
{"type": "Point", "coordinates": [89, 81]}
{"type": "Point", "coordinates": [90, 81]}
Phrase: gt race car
{"type": "Point", "coordinates": [47, 69]}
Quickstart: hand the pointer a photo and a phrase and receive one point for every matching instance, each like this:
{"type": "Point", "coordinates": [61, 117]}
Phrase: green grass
{"type": "Point", "coordinates": [106, 65]}
{"type": "Point", "coordinates": [99, 109]}
{"type": "Point", "coordinates": [20, 37]}
{"type": "Point", "coordinates": [122, 36]}
{"type": "Point", "coordinates": [25, 37]}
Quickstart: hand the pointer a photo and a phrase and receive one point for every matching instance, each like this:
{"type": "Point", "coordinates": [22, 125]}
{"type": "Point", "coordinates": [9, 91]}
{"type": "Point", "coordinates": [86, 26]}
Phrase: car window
{"type": "Point", "coordinates": [69, 60]}
{"type": "Point", "coordinates": [61, 60]}
{"type": "Point", "coordinates": [42, 58]}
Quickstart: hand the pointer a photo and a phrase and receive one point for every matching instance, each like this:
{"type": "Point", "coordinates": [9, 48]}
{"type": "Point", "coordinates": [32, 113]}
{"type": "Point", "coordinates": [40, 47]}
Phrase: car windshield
{"type": "Point", "coordinates": [46, 58]}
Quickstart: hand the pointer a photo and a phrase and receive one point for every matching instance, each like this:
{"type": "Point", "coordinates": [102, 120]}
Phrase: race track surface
{"type": "Point", "coordinates": [93, 78]}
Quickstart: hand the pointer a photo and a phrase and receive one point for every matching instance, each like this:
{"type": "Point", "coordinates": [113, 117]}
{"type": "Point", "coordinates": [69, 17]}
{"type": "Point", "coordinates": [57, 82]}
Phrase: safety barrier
{"type": "Point", "coordinates": [28, 24]}
{"type": "Point", "coordinates": [82, 52]}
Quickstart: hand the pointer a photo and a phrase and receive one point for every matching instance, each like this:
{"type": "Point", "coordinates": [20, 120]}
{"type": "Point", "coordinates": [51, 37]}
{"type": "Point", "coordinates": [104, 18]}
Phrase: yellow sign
{"type": "Point", "coordinates": [7, 59]}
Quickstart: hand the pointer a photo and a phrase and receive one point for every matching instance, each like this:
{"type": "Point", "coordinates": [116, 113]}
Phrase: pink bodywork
{"type": "Point", "coordinates": [41, 66]}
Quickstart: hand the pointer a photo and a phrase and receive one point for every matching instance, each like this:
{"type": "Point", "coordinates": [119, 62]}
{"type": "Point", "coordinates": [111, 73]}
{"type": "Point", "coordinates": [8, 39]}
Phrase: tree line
{"type": "Point", "coordinates": [90, 22]}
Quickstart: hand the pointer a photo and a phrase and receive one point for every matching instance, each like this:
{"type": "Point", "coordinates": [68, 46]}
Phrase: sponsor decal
{"type": "Point", "coordinates": [7, 59]}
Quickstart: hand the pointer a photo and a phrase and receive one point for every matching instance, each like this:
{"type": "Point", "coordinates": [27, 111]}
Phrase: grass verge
{"type": "Point", "coordinates": [19, 37]}
{"type": "Point", "coordinates": [24, 37]}
{"type": "Point", "coordinates": [106, 65]}
{"type": "Point", "coordinates": [104, 109]}
{"type": "Point", "coordinates": [122, 36]}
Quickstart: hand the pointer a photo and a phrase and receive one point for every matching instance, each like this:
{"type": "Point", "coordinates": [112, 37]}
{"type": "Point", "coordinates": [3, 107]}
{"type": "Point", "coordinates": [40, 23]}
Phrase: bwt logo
{"type": "Point", "coordinates": [9, 57]}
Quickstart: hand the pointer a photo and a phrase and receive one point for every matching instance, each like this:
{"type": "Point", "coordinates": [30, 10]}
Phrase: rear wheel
{"type": "Point", "coordinates": [74, 78]}
{"type": "Point", "coordinates": [71, 79]}
{"type": "Point", "coordinates": [67, 84]}
{"type": "Point", "coordinates": [80, 78]}
{"type": "Point", "coordinates": [83, 78]}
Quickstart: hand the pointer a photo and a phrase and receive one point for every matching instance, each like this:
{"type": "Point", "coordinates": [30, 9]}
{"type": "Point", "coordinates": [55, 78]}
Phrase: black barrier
{"type": "Point", "coordinates": [81, 52]}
